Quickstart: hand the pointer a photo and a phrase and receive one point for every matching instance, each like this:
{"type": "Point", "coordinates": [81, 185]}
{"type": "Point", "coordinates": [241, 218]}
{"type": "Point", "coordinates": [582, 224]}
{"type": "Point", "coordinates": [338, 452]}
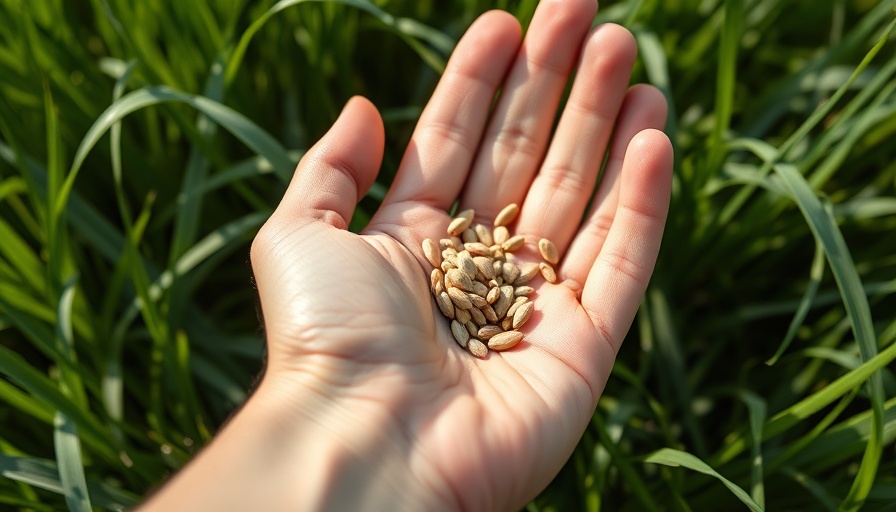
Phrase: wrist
{"type": "Point", "coordinates": [294, 448]}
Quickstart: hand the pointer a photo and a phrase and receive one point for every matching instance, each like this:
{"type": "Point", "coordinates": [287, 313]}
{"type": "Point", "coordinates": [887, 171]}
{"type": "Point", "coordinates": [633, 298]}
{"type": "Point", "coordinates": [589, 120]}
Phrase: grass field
{"type": "Point", "coordinates": [143, 143]}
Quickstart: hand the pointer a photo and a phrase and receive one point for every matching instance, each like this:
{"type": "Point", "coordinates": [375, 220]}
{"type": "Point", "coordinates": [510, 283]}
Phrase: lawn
{"type": "Point", "coordinates": [142, 144]}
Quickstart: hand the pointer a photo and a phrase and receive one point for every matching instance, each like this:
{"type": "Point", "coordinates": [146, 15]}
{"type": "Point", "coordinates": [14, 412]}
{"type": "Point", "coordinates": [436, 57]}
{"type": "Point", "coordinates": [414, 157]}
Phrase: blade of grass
{"type": "Point", "coordinates": [677, 458]}
{"type": "Point", "coordinates": [757, 409]}
{"type": "Point", "coordinates": [731, 30]}
{"type": "Point", "coordinates": [821, 221]}
{"type": "Point", "coordinates": [71, 467]}
{"type": "Point", "coordinates": [805, 304]}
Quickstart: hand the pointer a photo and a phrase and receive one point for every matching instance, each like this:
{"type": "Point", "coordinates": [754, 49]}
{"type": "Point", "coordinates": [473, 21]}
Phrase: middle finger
{"type": "Point", "coordinates": [515, 140]}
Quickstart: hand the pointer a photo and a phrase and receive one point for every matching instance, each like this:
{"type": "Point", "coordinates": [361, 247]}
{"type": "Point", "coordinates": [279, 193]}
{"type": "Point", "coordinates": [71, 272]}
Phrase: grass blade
{"type": "Point", "coordinates": [677, 458]}
{"type": "Point", "coordinates": [805, 304]}
{"type": "Point", "coordinates": [71, 467]}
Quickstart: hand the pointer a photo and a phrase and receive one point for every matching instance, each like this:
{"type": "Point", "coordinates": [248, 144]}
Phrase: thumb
{"type": "Point", "coordinates": [337, 171]}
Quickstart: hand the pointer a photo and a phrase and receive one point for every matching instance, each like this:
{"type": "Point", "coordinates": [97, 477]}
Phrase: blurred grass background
{"type": "Point", "coordinates": [143, 143]}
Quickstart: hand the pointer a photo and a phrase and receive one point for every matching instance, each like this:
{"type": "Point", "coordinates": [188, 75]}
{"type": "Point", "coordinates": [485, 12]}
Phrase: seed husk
{"type": "Point", "coordinates": [522, 314]}
{"type": "Point", "coordinates": [447, 265]}
{"type": "Point", "coordinates": [505, 340]}
{"type": "Point", "coordinates": [446, 243]}
{"type": "Point", "coordinates": [485, 267]}
{"type": "Point", "coordinates": [548, 273]}
{"type": "Point", "coordinates": [516, 305]}
{"type": "Point", "coordinates": [465, 263]}
{"type": "Point", "coordinates": [487, 331]}
{"type": "Point", "coordinates": [513, 243]}
{"type": "Point", "coordinates": [462, 315]}
{"type": "Point", "coordinates": [458, 225]}
{"type": "Point", "coordinates": [471, 328]}
{"type": "Point", "coordinates": [443, 300]}
{"type": "Point", "coordinates": [548, 251]}
{"type": "Point", "coordinates": [510, 272]}
{"type": "Point", "coordinates": [478, 249]}
{"type": "Point", "coordinates": [469, 236]}
{"type": "Point", "coordinates": [477, 300]}
{"type": "Point", "coordinates": [522, 291]}
{"type": "Point", "coordinates": [477, 348]}
{"type": "Point", "coordinates": [504, 301]}
{"type": "Point", "coordinates": [456, 278]}
{"type": "Point", "coordinates": [480, 289]}
{"type": "Point", "coordinates": [436, 283]}
{"type": "Point", "coordinates": [500, 235]}
{"type": "Point", "coordinates": [484, 234]}
{"type": "Point", "coordinates": [478, 317]}
{"type": "Point", "coordinates": [489, 313]}
{"type": "Point", "coordinates": [431, 252]}
{"type": "Point", "coordinates": [507, 215]}
{"type": "Point", "coordinates": [493, 294]}
{"type": "Point", "coordinates": [459, 298]}
{"type": "Point", "coordinates": [461, 336]}
{"type": "Point", "coordinates": [507, 323]}
{"type": "Point", "coordinates": [528, 271]}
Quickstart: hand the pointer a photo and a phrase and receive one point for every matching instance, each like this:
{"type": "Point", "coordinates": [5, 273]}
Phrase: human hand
{"type": "Point", "coordinates": [359, 356]}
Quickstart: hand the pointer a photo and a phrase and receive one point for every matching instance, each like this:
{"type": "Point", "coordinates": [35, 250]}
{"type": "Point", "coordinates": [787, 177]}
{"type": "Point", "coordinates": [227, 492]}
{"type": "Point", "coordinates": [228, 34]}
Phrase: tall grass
{"type": "Point", "coordinates": [143, 143]}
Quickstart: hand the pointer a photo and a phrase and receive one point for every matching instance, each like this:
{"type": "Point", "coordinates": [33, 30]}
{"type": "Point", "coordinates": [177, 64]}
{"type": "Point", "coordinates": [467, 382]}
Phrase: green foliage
{"type": "Point", "coordinates": [760, 362]}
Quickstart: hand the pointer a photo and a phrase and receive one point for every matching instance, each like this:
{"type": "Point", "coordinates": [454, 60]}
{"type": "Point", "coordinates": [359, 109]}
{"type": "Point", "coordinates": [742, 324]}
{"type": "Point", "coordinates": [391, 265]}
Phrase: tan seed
{"type": "Point", "coordinates": [458, 225]}
{"type": "Point", "coordinates": [500, 235]}
{"type": "Point", "coordinates": [516, 305]}
{"type": "Point", "coordinates": [461, 315]}
{"type": "Point", "coordinates": [477, 348]}
{"type": "Point", "coordinates": [497, 267]}
{"type": "Point", "coordinates": [548, 273]}
{"type": "Point", "coordinates": [446, 243]}
{"type": "Point", "coordinates": [522, 291]}
{"type": "Point", "coordinates": [431, 252]}
{"type": "Point", "coordinates": [505, 340]}
{"type": "Point", "coordinates": [471, 328]}
{"type": "Point", "coordinates": [548, 251]}
{"type": "Point", "coordinates": [484, 234]}
{"type": "Point", "coordinates": [478, 249]}
{"type": "Point", "coordinates": [511, 258]}
{"type": "Point", "coordinates": [447, 265]}
{"type": "Point", "coordinates": [504, 301]}
{"type": "Point", "coordinates": [489, 313]}
{"type": "Point", "coordinates": [522, 314]}
{"type": "Point", "coordinates": [513, 243]}
{"type": "Point", "coordinates": [443, 300]}
{"type": "Point", "coordinates": [459, 298]}
{"type": "Point", "coordinates": [477, 300]}
{"type": "Point", "coordinates": [469, 236]}
{"type": "Point", "coordinates": [493, 294]}
{"type": "Point", "coordinates": [487, 331]}
{"type": "Point", "coordinates": [507, 323]}
{"type": "Point", "coordinates": [510, 272]}
{"type": "Point", "coordinates": [465, 263]}
{"type": "Point", "coordinates": [497, 252]}
{"type": "Point", "coordinates": [478, 317]}
{"type": "Point", "coordinates": [507, 215]}
{"type": "Point", "coordinates": [480, 289]}
{"type": "Point", "coordinates": [461, 336]}
{"type": "Point", "coordinates": [528, 271]}
{"type": "Point", "coordinates": [435, 279]}
{"type": "Point", "coordinates": [459, 279]}
{"type": "Point", "coordinates": [448, 252]}
{"type": "Point", "coordinates": [485, 266]}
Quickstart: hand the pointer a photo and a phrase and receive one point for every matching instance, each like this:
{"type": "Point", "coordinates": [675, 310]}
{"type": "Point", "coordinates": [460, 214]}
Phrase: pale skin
{"type": "Point", "coordinates": [367, 402]}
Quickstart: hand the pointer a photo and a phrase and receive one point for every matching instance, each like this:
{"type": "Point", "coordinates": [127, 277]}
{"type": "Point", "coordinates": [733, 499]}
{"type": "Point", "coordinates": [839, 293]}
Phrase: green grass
{"type": "Point", "coordinates": [143, 143]}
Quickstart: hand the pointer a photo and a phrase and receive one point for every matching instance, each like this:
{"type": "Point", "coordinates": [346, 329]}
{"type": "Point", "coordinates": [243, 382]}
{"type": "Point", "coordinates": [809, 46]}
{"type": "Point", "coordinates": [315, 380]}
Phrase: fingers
{"type": "Point", "coordinates": [518, 133]}
{"type": "Point", "coordinates": [559, 194]}
{"type": "Point", "coordinates": [337, 171]}
{"type": "Point", "coordinates": [442, 146]}
{"type": "Point", "coordinates": [619, 277]}
{"type": "Point", "coordinates": [644, 107]}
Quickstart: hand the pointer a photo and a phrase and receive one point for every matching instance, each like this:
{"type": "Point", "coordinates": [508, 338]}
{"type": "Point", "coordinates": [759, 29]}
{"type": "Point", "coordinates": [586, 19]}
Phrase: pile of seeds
{"type": "Point", "coordinates": [479, 284]}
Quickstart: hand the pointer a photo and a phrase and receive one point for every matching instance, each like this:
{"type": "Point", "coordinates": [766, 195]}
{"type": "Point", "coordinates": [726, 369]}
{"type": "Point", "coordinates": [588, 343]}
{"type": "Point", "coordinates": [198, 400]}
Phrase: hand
{"type": "Point", "coordinates": [365, 388]}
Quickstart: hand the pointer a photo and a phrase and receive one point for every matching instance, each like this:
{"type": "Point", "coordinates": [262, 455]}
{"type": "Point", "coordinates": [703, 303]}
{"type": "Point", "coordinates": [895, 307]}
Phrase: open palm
{"type": "Point", "coordinates": [351, 316]}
